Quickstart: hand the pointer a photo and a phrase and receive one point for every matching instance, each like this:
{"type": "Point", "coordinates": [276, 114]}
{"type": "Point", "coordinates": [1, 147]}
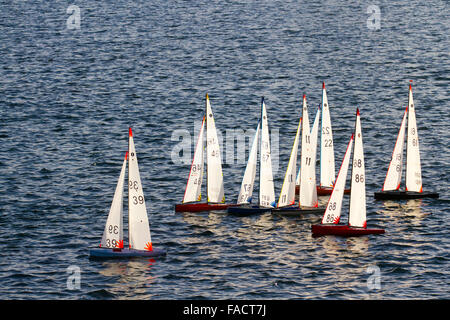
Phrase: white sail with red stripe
{"type": "Point", "coordinates": [334, 207]}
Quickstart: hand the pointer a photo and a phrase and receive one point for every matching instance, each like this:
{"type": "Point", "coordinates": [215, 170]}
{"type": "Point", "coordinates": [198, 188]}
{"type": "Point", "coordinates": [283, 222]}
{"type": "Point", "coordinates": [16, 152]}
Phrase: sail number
{"type": "Point", "coordinates": [113, 229]}
{"type": "Point", "coordinates": [332, 206]}
{"type": "Point", "coordinates": [134, 185]}
{"type": "Point", "coordinates": [138, 200]}
{"type": "Point", "coordinates": [359, 178]}
{"type": "Point", "coordinates": [111, 243]}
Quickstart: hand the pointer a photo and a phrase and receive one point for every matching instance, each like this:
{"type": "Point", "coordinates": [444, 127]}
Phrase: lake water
{"type": "Point", "coordinates": [69, 92]}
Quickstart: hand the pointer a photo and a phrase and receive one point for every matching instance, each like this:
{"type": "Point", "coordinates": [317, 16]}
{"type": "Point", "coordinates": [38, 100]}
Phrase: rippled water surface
{"type": "Point", "coordinates": [67, 98]}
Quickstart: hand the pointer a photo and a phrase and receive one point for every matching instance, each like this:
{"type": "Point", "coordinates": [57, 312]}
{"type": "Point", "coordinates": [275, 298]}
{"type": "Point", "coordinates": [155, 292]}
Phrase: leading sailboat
{"type": "Point", "coordinates": [140, 242]}
{"type": "Point", "coordinates": [357, 224]}
{"type": "Point", "coordinates": [413, 186]}
{"type": "Point", "coordinates": [266, 186]}
{"type": "Point", "coordinates": [215, 191]}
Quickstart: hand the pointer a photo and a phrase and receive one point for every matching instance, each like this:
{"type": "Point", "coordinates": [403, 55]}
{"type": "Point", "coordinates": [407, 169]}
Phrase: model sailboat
{"type": "Point", "coordinates": [413, 187]}
{"type": "Point", "coordinates": [140, 242]}
{"type": "Point", "coordinates": [327, 169]}
{"type": "Point", "coordinates": [308, 202]}
{"type": "Point", "coordinates": [266, 187]}
{"type": "Point", "coordinates": [357, 215]}
{"type": "Point", "coordinates": [215, 191]}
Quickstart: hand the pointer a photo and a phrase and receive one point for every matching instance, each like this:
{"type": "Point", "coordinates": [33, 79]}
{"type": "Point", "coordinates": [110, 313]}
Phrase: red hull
{"type": "Point", "coordinates": [342, 230]}
{"type": "Point", "coordinates": [197, 207]}
{"type": "Point", "coordinates": [322, 191]}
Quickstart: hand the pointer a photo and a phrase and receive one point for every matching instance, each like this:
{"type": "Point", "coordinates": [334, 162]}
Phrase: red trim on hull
{"type": "Point", "coordinates": [322, 191]}
{"type": "Point", "coordinates": [197, 207]}
{"type": "Point", "coordinates": [342, 230]}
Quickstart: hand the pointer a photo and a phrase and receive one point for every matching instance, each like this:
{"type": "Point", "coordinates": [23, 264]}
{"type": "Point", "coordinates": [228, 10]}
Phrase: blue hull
{"type": "Point", "coordinates": [125, 253]}
{"type": "Point", "coordinates": [247, 210]}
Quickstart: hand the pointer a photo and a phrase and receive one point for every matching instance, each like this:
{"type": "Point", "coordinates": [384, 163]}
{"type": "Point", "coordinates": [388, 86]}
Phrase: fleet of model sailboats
{"type": "Point", "coordinates": [140, 242]}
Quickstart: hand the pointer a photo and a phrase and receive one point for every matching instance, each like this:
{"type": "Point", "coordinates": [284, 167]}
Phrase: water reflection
{"type": "Point", "coordinates": [133, 277]}
{"type": "Point", "coordinates": [414, 210]}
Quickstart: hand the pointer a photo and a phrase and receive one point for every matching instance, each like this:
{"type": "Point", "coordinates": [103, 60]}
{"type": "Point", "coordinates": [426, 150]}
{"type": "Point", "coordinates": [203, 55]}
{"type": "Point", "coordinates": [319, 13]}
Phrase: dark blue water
{"type": "Point", "coordinates": [68, 96]}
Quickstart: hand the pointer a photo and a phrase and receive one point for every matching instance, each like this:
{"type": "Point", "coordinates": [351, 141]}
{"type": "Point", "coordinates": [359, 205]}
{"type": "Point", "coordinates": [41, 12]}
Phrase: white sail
{"type": "Point", "coordinates": [413, 170]}
{"type": "Point", "coordinates": [113, 233]}
{"type": "Point", "coordinates": [214, 169]}
{"type": "Point", "coordinates": [248, 181]}
{"type": "Point", "coordinates": [394, 173]}
{"type": "Point", "coordinates": [193, 190]}
{"type": "Point", "coordinates": [266, 188]}
{"type": "Point", "coordinates": [357, 214]}
{"type": "Point", "coordinates": [308, 191]}
{"type": "Point", "coordinates": [287, 194]}
{"type": "Point", "coordinates": [333, 211]}
{"type": "Point", "coordinates": [327, 170]}
{"type": "Point", "coordinates": [139, 229]}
